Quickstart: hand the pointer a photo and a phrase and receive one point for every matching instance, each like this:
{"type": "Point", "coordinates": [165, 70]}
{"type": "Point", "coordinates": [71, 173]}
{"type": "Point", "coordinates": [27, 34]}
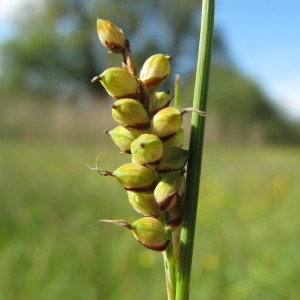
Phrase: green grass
{"type": "Point", "coordinates": [52, 247]}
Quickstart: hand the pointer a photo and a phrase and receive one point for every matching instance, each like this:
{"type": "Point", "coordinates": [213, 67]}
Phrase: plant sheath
{"type": "Point", "coordinates": [196, 150]}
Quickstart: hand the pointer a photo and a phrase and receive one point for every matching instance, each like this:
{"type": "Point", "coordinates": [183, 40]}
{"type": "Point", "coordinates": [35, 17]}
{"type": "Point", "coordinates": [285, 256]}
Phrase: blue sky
{"type": "Point", "coordinates": [263, 38]}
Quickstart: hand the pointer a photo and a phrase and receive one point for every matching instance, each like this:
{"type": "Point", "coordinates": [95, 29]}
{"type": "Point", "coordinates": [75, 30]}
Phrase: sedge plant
{"type": "Point", "coordinates": [161, 179]}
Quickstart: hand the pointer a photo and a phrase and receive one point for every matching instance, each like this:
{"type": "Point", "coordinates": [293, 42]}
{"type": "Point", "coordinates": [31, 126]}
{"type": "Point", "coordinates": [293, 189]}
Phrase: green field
{"type": "Point", "coordinates": [52, 246]}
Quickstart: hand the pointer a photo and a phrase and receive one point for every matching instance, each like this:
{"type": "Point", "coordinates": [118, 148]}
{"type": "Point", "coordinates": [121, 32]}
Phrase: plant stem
{"type": "Point", "coordinates": [176, 91]}
{"type": "Point", "coordinates": [196, 150]}
{"type": "Point", "coordinates": [169, 264]}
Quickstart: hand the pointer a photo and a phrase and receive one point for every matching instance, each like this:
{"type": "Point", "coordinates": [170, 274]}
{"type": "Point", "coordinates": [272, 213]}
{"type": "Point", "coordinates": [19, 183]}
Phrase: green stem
{"type": "Point", "coordinates": [196, 150]}
{"type": "Point", "coordinates": [170, 264]}
{"type": "Point", "coordinates": [176, 91]}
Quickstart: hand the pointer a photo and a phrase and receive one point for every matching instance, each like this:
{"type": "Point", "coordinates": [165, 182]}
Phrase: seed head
{"type": "Point", "coordinates": [122, 137]}
{"type": "Point", "coordinates": [168, 191]}
{"type": "Point", "coordinates": [166, 122]}
{"type": "Point", "coordinates": [176, 140]}
{"type": "Point", "coordinates": [174, 159]}
{"type": "Point", "coordinates": [111, 36]}
{"type": "Point", "coordinates": [155, 71]}
{"type": "Point", "coordinates": [135, 177]}
{"type": "Point", "coordinates": [130, 113]}
{"type": "Point", "coordinates": [175, 215]}
{"type": "Point", "coordinates": [158, 100]}
{"type": "Point", "coordinates": [143, 203]}
{"type": "Point", "coordinates": [147, 149]}
{"type": "Point", "coordinates": [119, 83]}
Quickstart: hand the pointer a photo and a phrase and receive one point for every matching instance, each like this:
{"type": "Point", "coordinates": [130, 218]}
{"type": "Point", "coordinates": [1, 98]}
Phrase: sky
{"type": "Point", "coordinates": [262, 37]}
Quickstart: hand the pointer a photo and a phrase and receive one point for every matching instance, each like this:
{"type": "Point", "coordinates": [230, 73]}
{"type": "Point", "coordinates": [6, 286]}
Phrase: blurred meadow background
{"type": "Point", "coordinates": [51, 124]}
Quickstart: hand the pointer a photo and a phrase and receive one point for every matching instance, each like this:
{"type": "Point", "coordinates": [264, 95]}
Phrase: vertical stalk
{"type": "Point", "coordinates": [196, 150]}
{"type": "Point", "coordinates": [169, 264]}
{"type": "Point", "coordinates": [176, 91]}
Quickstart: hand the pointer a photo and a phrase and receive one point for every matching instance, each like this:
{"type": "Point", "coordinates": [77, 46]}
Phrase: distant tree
{"type": "Point", "coordinates": [53, 51]}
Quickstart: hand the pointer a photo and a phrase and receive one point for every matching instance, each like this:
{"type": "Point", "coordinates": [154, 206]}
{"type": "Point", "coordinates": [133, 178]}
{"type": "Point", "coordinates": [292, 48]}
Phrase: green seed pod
{"type": "Point", "coordinates": [176, 140]}
{"type": "Point", "coordinates": [175, 215]}
{"type": "Point", "coordinates": [147, 149]}
{"type": "Point", "coordinates": [169, 190]}
{"type": "Point", "coordinates": [166, 122]}
{"type": "Point", "coordinates": [158, 100]}
{"type": "Point", "coordinates": [130, 113]}
{"type": "Point", "coordinates": [155, 71]}
{"type": "Point", "coordinates": [119, 83]}
{"type": "Point", "coordinates": [122, 137]}
{"type": "Point", "coordinates": [150, 233]}
{"type": "Point", "coordinates": [135, 177]}
{"type": "Point", "coordinates": [144, 203]}
{"type": "Point", "coordinates": [111, 36]}
{"type": "Point", "coordinates": [174, 159]}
